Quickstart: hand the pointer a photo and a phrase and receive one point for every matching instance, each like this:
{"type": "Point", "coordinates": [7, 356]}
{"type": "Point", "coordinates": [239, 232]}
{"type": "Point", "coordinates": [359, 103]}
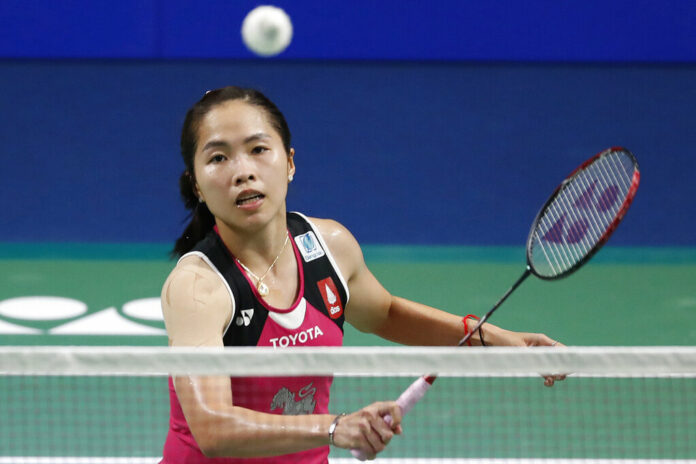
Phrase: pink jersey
{"type": "Point", "coordinates": [315, 319]}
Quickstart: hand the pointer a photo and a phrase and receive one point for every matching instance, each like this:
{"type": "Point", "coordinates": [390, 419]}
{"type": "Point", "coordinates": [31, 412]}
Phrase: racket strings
{"type": "Point", "coordinates": [598, 219]}
{"type": "Point", "coordinates": [560, 254]}
{"type": "Point", "coordinates": [609, 167]}
{"type": "Point", "coordinates": [564, 255]}
{"type": "Point", "coordinates": [590, 220]}
{"type": "Point", "coordinates": [549, 261]}
{"type": "Point", "coordinates": [586, 183]}
{"type": "Point", "coordinates": [582, 212]}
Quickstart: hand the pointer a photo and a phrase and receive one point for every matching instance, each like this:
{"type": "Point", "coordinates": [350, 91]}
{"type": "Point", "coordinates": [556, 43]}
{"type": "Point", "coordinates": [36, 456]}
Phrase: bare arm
{"type": "Point", "coordinates": [197, 308]}
{"type": "Point", "coordinates": [222, 429]}
{"type": "Point", "coordinates": [373, 309]}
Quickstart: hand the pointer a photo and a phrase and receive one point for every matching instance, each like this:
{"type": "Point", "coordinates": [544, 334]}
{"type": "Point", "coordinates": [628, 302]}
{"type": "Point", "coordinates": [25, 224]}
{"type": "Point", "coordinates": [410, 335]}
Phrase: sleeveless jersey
{"type": "Point", "coordinates": [314, 319]}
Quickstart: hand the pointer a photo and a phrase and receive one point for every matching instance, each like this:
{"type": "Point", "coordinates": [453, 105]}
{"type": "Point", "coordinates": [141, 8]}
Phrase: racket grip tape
{"type": "Point", "coordinates": [406, 401]}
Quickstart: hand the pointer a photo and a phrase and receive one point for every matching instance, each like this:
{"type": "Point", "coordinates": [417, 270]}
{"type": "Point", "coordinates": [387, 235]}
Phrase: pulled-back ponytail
{"type": "Point", "coordinates": [201, 219]}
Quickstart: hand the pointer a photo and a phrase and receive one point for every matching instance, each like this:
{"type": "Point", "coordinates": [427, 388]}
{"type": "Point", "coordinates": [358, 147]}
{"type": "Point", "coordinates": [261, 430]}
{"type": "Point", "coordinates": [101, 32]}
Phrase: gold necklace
{"type": "Point", "coordinates": [260, 286]}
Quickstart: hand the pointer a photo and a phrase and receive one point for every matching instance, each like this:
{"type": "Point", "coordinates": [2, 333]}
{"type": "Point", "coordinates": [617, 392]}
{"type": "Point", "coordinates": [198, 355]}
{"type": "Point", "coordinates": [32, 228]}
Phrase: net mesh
{"type": "Point", "coordinates": [575, 221]}
{"type": "Point", "coordinates": [629, 404]}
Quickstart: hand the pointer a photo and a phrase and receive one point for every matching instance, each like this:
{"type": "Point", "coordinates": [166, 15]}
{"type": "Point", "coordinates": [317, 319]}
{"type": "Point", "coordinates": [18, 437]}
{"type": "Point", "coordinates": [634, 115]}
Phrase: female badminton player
{"type": "Point", "coordinates": [252, 274]}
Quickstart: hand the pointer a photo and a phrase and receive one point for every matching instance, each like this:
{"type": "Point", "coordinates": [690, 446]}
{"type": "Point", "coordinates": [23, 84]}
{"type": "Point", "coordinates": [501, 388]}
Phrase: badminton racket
{"type": "Point", "coordinates": [573, 224]}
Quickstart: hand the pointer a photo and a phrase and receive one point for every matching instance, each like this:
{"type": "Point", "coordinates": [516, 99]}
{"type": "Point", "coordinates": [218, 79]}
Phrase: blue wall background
{"type": "Point", "coordinates": [445, 124]}
{"type": "Point", "coordinates": [536, 30]}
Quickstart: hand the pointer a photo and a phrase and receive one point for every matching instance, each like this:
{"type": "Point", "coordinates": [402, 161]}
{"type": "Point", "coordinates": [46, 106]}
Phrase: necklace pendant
{"type": "Point", "coordinates": [262, 288]}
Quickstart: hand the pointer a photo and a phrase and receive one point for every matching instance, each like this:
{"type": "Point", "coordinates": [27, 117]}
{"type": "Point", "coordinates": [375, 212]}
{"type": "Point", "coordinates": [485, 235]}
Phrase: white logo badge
{"type": "Point", "coordinates": [245, 317]}
{"type": "Point", "coordinates": [330, 295]}
{"type": "Point", "coordinates": [309, 246]}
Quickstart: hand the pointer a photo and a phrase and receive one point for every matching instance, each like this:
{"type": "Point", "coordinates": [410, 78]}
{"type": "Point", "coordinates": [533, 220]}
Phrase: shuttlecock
{"type": "Point", "coordinates": [267, 30]}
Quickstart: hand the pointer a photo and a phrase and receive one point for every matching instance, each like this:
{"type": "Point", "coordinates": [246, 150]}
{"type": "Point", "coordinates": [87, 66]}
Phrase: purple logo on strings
{"type": "Point", "coordinates": [579, 223]}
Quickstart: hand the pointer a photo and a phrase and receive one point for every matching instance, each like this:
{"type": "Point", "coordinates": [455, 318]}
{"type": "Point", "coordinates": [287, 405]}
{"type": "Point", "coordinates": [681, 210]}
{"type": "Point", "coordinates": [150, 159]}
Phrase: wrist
{"type": "Point", "coordinates": [332, 428]}
{"type": "Point", "coordinates": [470, 322]}
{"type": "Point", "coordinates": [496, 336]}
{"type": "Point", "coordinates": [486, 335]}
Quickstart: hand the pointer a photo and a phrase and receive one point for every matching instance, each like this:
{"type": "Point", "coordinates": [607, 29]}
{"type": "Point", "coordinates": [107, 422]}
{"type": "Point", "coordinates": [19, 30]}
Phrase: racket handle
{"type": "Point", "coordinates": [406, 401]}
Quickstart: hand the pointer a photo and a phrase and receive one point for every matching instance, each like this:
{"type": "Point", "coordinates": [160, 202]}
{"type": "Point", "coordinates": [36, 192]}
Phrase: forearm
{"type": "Point", "coordinates": [222, 429]}
{"type": "Point", "coordinates": [240, 432]}
{"type": "Point", "coordinates": [411, 323]}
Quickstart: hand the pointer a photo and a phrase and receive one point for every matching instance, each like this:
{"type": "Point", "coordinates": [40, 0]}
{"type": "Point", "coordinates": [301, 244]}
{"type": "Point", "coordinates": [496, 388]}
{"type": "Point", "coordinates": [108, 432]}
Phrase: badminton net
{"type": "Point", "coordinates": [620, 404]}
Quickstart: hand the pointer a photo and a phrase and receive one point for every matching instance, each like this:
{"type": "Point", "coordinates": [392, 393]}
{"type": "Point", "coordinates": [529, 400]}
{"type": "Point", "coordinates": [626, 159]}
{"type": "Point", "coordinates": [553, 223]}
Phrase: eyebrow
{"type": "Point", "coordinates": [214, 144]}
{"type": "Point", "coordinates": [257, 136]}
{"type": "Point", "coordinates": [223, 144]}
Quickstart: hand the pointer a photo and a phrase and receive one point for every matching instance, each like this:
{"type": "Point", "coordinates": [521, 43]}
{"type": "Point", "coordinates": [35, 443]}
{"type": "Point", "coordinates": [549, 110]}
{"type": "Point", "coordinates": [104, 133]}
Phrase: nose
{"type": "Point", "coordinates": [243, 170]}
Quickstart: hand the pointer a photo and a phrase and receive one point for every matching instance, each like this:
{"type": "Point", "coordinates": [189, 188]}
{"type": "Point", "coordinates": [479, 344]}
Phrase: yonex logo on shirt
{"type": "Point", "coordinates": [309, 246]}
{"type": "Point", "coordinates": [245, 317]}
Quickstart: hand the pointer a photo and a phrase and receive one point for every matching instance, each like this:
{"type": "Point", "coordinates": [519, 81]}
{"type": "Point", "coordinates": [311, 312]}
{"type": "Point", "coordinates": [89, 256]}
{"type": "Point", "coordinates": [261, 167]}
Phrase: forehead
{"type": "Point", "coordinates": [233, 119]}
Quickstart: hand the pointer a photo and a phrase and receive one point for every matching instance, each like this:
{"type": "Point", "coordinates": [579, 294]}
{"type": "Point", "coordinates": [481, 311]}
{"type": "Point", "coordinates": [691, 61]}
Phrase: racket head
{"type": "Point", "coordinates": [582, 213]}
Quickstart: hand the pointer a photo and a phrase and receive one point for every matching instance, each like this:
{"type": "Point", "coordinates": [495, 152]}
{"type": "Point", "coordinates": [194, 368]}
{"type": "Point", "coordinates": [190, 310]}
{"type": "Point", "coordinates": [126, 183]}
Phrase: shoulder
{"type": "Point", "coordinates": [336, 235]}
{"type": "Point", "coordinates": [192, 271]}
{"type": "Point", "coordinates": [342, 244]}
{"type": "Point", "coordinates": [193, 288]}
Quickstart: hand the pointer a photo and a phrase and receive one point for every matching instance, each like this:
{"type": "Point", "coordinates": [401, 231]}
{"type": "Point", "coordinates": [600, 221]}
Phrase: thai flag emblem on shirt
{"type": "Point", "coordinates": [329, 294]}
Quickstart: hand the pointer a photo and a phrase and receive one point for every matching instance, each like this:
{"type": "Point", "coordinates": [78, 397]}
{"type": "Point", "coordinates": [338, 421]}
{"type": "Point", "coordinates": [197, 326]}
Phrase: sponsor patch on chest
{"type": "Point", "coordinates": [309, 246]}
{"type": "Point", "coordinates": [298, 338]}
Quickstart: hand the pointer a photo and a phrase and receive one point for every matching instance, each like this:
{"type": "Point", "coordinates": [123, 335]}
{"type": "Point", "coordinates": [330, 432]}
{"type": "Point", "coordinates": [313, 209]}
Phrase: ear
{"type": "Point", "coordinates": [196, 189]}
{"type": "Point", "coordinates": [291, 163]}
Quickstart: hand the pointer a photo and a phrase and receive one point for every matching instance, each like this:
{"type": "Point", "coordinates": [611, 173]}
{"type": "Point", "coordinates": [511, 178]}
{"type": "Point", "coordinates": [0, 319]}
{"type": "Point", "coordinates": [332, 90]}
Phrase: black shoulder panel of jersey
{"type": "Point", "coordinates": [316, 270]}
{"type": "Point", "coordinates": [242, 331]}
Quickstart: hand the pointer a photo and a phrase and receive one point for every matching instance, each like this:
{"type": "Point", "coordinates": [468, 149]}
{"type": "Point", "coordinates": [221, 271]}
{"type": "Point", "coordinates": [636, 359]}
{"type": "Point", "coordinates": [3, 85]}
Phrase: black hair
{"type": "Point", "coordinates": [201, 219]}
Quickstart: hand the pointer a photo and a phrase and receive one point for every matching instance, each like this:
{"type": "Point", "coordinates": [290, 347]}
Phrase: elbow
{"type": "Point", "coordinates": [209, 437]}
{"type": "Point", "coordinates": [215, 439]}
{"type": "Point", "coordinates": [208, 442]}
{"type": "Point", "coordinates": [211, 449]}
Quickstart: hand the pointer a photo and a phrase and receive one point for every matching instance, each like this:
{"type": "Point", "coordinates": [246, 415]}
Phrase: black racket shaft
{"type": "Point", "coordinates": [485, 317]}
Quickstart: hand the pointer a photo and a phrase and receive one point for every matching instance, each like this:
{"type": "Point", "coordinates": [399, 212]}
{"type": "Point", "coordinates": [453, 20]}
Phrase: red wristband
{"type": "Point", "coordinates": [466, 326]}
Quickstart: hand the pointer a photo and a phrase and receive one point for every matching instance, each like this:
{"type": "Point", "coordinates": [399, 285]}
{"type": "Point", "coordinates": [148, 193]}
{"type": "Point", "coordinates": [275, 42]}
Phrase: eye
{"type": "Point", "coordinates": [217, 158]}
{"type": "Point", "coordinates": [257, 150]}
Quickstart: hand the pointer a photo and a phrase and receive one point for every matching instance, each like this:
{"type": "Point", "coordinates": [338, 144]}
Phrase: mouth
{"type": "Point", "coordinates": [249, 197]}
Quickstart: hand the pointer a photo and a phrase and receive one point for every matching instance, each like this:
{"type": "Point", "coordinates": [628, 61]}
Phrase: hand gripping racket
{"type": "Point", "coordinates": [574, 223]}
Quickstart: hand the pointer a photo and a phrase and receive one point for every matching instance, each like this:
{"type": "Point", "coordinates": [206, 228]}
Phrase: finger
{"type": "Point", "coordinates": [373, 438]}
{"type": "Point", "coordinates": [380, 422]}
{"type": "Point", "coordinates": [390, 412]}
{"type": "Point", "coordinates": [367, 453]}
{"type": "Point", "coordinates": [381, 428]}
{"type": "Point", "coordinates": [394, 410]}
{"type": "Point", "coordinates": [361, 440]}
{"type": "Point", "coordinates": [549, 380]}
{"type": "Point", "coordinates": [545, 340]}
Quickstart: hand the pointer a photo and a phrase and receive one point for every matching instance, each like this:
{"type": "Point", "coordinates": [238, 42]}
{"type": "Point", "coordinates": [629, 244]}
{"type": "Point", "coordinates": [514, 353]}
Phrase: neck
{"type": "Point", "coordinates": [255, 248]}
